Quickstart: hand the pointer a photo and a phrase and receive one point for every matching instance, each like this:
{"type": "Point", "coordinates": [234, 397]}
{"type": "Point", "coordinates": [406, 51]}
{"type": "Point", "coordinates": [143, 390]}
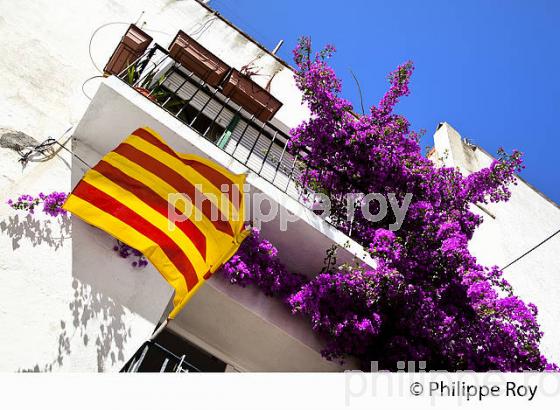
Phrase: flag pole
{"type": "Point", "coordinates": [159, 329]}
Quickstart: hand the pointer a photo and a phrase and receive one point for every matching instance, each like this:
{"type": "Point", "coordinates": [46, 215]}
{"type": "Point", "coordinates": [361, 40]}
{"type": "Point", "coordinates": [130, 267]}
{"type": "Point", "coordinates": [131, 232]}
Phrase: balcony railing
{"type": "Point", "coordinates": [261, 146]}
{"type": "Point", "coordinates": [152, 357]}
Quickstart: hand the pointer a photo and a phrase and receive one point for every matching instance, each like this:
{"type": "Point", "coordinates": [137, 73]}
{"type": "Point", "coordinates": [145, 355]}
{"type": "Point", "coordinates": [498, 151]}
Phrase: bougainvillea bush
{"type": "Point", "coordinates": [427, 299]}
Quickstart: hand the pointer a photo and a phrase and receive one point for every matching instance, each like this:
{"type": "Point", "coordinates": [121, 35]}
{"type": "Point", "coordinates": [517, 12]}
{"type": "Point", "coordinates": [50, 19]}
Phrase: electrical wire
{"type": "Point", "coordinates": [45, 148]}
{"type": "Point", "coordinates": [532, 249]}
{"type": "Point", "coordinates": [203, 27]}
{"type": "Point", "coordinates": [85, 82]}
{"type": "Point", "coordinates": [93, 36]}
{"type": "Point", "coordinates": [111, 24]}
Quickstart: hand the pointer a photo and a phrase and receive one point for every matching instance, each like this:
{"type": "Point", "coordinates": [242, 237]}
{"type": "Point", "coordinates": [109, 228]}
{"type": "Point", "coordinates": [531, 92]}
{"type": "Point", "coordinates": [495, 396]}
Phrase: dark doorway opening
{"type": "Point", "coordinates": [171, 353]}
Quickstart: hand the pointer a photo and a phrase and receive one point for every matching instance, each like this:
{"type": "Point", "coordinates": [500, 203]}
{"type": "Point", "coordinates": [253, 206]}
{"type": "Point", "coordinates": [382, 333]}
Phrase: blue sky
{"type": "Point", "coordinates": [489, 68]}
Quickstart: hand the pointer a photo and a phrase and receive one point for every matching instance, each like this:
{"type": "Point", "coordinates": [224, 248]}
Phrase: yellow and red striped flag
{"type": "Point", "coordinates": [127, 194]}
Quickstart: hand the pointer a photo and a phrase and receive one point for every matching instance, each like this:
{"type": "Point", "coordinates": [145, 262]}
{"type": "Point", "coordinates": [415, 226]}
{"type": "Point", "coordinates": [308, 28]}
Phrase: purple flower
{"type": "Point", "coordinates": [125, 251]}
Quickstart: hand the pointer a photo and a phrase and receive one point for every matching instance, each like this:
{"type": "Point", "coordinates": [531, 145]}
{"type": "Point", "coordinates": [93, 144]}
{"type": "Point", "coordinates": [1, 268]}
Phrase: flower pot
{"type": "Point", "coordinates": [191, 55]}
{"type": "Point", "coordinates": [251, 96]}
{"type": "Point", "coordinates": [133, 44]}
{"type": "Point", "coordinates": [145, 92]}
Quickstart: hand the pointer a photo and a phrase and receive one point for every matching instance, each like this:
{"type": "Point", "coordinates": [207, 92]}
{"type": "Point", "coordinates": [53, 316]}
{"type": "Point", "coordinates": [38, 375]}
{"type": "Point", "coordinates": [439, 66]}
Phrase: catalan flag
{"type": "Point", "coordinates": [132, 192]}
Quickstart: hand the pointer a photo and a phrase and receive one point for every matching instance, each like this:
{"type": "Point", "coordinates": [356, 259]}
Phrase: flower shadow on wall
{"type": "Point", "coordinates": [87, 305]}
{"type": "Point", "coordinates": [37, 232]}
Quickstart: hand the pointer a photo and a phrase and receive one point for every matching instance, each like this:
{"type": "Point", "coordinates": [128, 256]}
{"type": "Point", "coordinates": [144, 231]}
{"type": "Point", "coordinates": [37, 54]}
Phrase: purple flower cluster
{"type": "Point", "coordinates": [125, 251]}
{"type": "Point", "coordinates": [52, 203]}
{"type": "Point", "coordinates": [439, 304]}
{"type": "Point", "coordinates": [344, 308]}
{"type": "Point", "coordinates": [256, 263]}
{"type": "Point", "coordinates": [428, 299]}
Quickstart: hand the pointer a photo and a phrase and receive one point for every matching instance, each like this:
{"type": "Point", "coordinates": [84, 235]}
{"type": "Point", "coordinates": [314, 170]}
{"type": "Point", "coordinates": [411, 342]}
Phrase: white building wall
{"type": "Point", "coordinates": [509, 230]}
{"type": "Point", "coordinates": [56, 316]}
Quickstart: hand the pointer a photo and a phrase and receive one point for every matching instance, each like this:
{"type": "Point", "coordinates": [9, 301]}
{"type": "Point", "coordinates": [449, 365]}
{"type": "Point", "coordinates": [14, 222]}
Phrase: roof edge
{"type": "Point", "coordinates": [247, 36]}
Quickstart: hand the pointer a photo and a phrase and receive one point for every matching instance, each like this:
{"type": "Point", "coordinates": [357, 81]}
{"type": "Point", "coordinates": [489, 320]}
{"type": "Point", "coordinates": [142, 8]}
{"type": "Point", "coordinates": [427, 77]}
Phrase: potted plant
{"type": "Point", "coordinates": [148, 87]}
{"type": "Point", "coordinates": [251, 96]}
{"type": "Point", "coordinates": [132, 45]}
{"type": "Point", "coordinates": [191, 55]}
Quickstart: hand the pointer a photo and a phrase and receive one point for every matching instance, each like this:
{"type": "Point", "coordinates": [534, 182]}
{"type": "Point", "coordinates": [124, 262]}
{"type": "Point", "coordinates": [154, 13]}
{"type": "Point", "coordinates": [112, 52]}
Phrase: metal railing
{"type": "Point", "coordinates": [159, 359]}
{"type": "Point", "coordinates": [261, 146]}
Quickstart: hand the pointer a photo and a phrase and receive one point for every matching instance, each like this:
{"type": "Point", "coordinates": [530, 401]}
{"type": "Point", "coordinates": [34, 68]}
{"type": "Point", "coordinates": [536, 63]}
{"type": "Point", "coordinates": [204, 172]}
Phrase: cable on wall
{"type": "Point", "coordinates": [45, 149]}
{"type": "Point", "coordinates": [111, 24]}
{"type": "Point", "coordinates": [532, 249]}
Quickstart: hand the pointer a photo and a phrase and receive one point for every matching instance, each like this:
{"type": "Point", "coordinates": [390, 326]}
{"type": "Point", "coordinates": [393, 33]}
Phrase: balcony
{"type": "Point", "coordinates": [241, 327]}
{"type": "Point", "coordinates": [259, 145]}
{"type": "Point", "coordinates": [245, 142]}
